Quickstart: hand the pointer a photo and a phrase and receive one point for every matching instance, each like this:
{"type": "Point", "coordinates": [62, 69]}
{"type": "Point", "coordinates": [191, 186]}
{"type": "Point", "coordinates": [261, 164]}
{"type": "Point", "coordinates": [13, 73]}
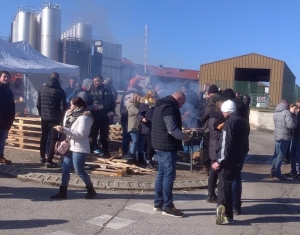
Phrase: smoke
{"type": "Point", "coordinates": [89, 11]}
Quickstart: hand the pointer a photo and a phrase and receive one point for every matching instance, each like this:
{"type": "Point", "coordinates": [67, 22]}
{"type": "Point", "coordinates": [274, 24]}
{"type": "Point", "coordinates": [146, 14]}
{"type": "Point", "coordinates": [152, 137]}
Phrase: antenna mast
{"type": "Point", "coordinates": [145, 55]}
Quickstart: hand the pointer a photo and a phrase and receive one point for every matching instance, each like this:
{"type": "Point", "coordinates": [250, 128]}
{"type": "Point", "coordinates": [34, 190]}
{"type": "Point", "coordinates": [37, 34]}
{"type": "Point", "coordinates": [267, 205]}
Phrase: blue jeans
{"type": "Point", "coordinates": [138, 142]}
{"type": "Point", "coordinates": [165, 178]}
{"type": "Point", "coordinates": [295, 155]}
{"type": "Point", "coordinates": [125, 139]}
{"type": "Point", "coordinates": [280, 150]}
{"type": "Point", "coordinates": [3, 137]}
{"type": "Point", "coordinates": [78, 161]}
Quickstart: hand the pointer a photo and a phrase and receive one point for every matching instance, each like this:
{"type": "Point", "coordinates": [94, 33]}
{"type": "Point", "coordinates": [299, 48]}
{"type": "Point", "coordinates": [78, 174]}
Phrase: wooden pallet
{"type": "Point", "coordinates": [115, 133]}
{"type": "Point", "coordinates": [25, 133]}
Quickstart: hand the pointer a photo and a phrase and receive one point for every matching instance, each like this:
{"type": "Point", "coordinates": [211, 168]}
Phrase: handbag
{"type": "Point", "coordinates": [62, 147]}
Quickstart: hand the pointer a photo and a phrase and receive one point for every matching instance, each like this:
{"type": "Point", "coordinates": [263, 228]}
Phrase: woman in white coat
{"type": "Point", "coordinates": [76, 125]}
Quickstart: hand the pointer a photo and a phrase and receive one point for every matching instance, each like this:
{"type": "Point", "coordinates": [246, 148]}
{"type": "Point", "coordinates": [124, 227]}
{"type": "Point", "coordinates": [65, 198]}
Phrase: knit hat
{"type": "Point", "coordinates": [228, 93]}
{"type": "Point", "coordinates": [87, 84]}
{"type": "Point", "coordinates": [213, 89]}
{"type": "Point", "coordinates": [134, 81]}
{"type": "Point", "coordinates": [228, 106]}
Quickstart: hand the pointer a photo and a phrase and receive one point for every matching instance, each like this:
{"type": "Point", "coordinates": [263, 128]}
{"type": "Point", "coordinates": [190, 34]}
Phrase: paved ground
{"type": "Point", "coordinates": [269, 206]}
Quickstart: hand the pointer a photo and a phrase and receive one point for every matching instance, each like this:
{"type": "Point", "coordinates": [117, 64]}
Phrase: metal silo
{"type": "Point", "coordinates": [83, 32]}
{"type": "Point", "coordinates": [38, 31]}
{"type": "Point", "coordinates": [51, 30]}
{"type": "Point", "coordinates": [25, 26]}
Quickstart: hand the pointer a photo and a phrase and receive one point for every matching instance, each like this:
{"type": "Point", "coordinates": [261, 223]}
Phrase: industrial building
{"type": "Point", "coordinates": [265, 78]}
{"type": "Point", "coordinates": [75, 45]}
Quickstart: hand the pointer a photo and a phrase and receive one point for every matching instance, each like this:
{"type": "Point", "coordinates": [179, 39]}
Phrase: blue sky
{"type": "Point", "coordinates": [186, 33]}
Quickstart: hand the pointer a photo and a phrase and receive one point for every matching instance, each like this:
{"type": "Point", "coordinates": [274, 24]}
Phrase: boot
{"type": "Point", "coordinates": [204, 171]}
{"type": "Point", "coordinates": [3, 160]}
{"type": "Point", "coordinates": [132, 159]}
{"type": "Point", "coordinates": [90, 192]}
{"type": "Point", "coordinates": [62, 194]}
{"type": "Point", "coordinates": [211, 198]}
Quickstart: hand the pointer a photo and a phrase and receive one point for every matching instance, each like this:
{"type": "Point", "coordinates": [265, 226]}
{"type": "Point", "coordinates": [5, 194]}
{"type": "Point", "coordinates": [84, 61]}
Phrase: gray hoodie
{"type": "Point", "coordinates": [284, 122]}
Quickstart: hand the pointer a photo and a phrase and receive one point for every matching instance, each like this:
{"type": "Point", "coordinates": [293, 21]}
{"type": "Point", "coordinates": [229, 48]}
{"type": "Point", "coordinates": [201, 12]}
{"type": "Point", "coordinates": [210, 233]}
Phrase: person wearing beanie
{"type": "Point", "coordinates": [212, 97]}
{"type": "Point", "coordinates": [51, 106]}
{"type": "Point", "coordinates": [230, 158]}
{"type": "Point", "coordinates": [83, 92]}
{"type": "Point", "coordinates": [189, 110]}
{"type": "Point", "coordinates": [228, 94]}
{"type": "Point", "coordinates": [134, 82]}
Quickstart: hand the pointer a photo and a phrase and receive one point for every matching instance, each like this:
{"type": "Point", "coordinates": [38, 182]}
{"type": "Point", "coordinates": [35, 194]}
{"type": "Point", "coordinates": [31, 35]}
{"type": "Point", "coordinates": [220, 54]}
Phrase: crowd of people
{"type": "Point", "coordinates": [152, 122]}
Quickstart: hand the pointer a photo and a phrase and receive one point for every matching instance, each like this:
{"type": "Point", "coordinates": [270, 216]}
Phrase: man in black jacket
{"type": "Point", "coordinates": [51, 105]}
{"type": "Point", "coordinates": [104, 107]}
{"type": "Point", "coordinates": [167, 140]}
{"type": "Point", "coordinates": [231, 152]}
{"type": "Point", "coordinates": [7, 112]}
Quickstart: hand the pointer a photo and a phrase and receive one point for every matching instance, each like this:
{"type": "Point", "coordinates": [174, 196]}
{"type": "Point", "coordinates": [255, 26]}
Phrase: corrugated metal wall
{"type": "Point", "coordinates": [224, 70]}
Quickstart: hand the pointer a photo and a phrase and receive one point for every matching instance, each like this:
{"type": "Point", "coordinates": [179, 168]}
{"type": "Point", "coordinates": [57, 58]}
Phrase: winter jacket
{"type": "Point", "coordinates": [210, 103]}
{"type": "Point", "coordinates": [214, 133]}
{"type": "Point", "coordinates": [284, 122]}
{"type": "Point", "coordinates": [232, 145]}
{"type": "Point", "coordinates": [134, 125]}
{"type": "Point", "coordinates": [166, 115]}
{"type": "Point", "coordinates": [102, 96]}
{"type": "Point", "coordinates": [79, 133]}
{"type": "Point", "coordinates": [51, 102]}
{"type": "Point", "coordinates": [146, 111]}
{"type": "Point", "coordinates": [7, 107]}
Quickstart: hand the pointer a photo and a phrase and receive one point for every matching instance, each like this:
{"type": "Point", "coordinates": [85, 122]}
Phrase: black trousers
{"type": "Point", "coordinates": [150, 150]}
{"type": "Point", "coordinates": [226, 176]}
{"type": "Point", "coordinates": [212, 180]}
{"type": "Point", "coordinates": [102, 125]}
{"type": "Point", "coordinates": [47, 128]}
{"type": "Point", "coordinates": [206, 159]}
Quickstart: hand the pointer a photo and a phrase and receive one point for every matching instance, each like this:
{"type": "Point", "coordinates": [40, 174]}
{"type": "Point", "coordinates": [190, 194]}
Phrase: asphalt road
{"type": "Point", "coordinates": [269, 206]}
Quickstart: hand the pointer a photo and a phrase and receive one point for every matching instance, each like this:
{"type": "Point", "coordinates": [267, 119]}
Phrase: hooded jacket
{"type": "Point", "coordinates": [233, 142]}
{"type": "Point", "coordinates": [7, 107]}
{"type": "Point", "coordinates": [284, 122]}
{"type": "Point", "coordinates": [51, 102]}
{"type": "Point", "coordinates": [166, 119]}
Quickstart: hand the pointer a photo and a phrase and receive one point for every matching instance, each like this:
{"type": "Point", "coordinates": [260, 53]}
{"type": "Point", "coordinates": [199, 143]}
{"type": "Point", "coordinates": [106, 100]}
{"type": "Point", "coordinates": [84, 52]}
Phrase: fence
{"type": "Point", "coordinates": [260, 91]}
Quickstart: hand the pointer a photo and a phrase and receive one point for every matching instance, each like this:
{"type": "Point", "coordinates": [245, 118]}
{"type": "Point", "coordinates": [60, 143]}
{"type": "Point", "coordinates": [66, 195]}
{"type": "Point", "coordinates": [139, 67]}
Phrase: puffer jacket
{"type": "Point", "coordinates": [284, 122]}
{"type": "Point", "coordinates": [51, 102]}
{"type": "Point", "coordinates": [79, 133]}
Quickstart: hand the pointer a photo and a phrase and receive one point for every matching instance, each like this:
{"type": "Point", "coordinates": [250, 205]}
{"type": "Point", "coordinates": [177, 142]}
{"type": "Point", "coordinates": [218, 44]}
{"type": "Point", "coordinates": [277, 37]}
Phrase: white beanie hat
{"type": "Point", "coordinates": [228, 106]}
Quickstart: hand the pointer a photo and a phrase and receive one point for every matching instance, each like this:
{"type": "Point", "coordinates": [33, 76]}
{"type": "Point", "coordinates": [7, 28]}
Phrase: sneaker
{"type": "Point", "coordinates": [296, 176]}
{"type": "Point", "coordinates": [211, 198]}
{"type": "Point", "coordinates": [43, 160]}
{"type": "Point", "coordinates": [290, 175]}
{"type": "Point", "coordinates": [236, 211]}
{"type": "Point", "coordinates": [51, 165]}
{"type": "Point", "coordinates": [150, 166]}
{"type": "Point", "coordinates": [97, 151]}
{"type": "Point", "coordinates": [227, 220]}
{"type": "Point", "coordinates": [157, 207]}
{"type": "Point", "coordinates": [172, 211]}
{"type": "Point", "coordinates": [220, 214]}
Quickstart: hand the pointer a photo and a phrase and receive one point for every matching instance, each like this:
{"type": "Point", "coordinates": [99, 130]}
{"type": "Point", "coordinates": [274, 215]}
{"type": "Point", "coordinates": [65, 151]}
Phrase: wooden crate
{"type": "Point", "coordinates": [25, 133]}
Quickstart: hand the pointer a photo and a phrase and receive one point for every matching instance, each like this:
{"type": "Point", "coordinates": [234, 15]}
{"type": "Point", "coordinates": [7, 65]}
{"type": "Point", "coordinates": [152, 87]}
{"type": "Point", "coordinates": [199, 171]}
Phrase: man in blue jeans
{"type": "Point", "coordinates": [7, 112]}
{"type": "Point", "coordinates": [166, 138]}
{"type": "Point", "coordinates": [284, 121]}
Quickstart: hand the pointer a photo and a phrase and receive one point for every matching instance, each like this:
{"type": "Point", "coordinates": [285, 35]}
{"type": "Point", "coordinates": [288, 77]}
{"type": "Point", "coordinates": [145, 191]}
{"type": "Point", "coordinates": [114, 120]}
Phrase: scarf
{"type": "Point", "coordinates": [72, 115]}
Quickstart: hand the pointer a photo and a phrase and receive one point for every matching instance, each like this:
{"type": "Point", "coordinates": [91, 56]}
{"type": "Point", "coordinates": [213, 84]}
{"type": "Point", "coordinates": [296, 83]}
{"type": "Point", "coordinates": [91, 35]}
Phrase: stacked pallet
{"type": "Point", "coordinates": [115, 133]}
{"type": "Point", "coordinates": [25, 133]}
{"type": "Point", "coordinates": [113, 167]}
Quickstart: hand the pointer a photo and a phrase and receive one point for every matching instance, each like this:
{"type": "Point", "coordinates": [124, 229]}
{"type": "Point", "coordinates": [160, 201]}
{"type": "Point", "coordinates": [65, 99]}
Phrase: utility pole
{"type": "Point", "coordinates": [145, 52]}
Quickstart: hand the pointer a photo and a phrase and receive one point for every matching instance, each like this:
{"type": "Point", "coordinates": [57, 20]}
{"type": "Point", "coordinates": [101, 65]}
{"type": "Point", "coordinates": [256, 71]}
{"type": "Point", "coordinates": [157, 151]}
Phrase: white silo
{"type": "Point", "coordinates": [51, 30]}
